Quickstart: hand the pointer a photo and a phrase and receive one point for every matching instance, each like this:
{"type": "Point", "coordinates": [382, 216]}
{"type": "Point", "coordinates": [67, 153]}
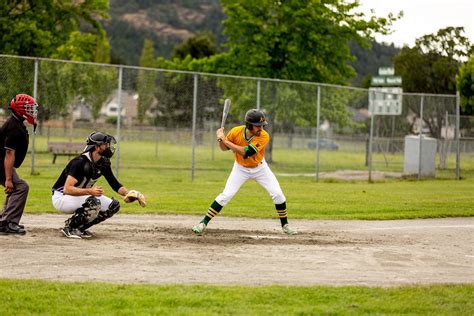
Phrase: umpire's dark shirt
{"type": "Point", "coordinates": [13, 135]}
{"type": "Point", "coordinates": [87, 172]}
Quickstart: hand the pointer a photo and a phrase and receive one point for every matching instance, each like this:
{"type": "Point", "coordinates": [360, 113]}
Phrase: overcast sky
{"type": "Point", "coordinates": [422, 17]}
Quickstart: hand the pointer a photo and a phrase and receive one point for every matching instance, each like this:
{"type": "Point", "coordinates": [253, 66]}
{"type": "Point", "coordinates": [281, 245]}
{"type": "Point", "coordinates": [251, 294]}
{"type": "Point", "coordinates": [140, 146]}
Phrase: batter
{"type": "Point", "coordinates": [248, 142]}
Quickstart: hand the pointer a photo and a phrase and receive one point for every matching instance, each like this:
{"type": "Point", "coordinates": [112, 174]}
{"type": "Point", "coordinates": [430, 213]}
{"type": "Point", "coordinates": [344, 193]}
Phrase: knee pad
{"type": "Point", "coordinates": [91, 202]}
{"type": "Point", "coordinates": [113, 208]}
{"type": "Point", "coordinates": [91, 208]}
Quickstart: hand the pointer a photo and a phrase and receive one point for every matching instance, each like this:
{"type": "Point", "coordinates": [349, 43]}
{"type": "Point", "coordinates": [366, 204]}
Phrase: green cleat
{"type": "Point", "coordinates": [289, 231]}
{"type": "Point", "coordinates": [199, 229]}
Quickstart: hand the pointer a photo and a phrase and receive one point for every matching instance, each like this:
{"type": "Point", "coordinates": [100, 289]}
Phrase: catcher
{"type": "Point", "coordinates": [75, 191]}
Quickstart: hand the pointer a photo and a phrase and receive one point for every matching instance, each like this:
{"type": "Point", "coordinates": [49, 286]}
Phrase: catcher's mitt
{"type": "Point", "coordinates": [134, 195]}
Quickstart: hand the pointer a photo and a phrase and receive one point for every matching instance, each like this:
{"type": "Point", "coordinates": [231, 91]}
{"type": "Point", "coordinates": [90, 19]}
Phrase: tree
{"type": "Point", "coordinates": [199, 46]}
{"type": "Point", "coordinates": [175, 92]}
{"type": "Point", "coordinates": [368, 61]}
{"type": "Point", "coordinates": [304, 40]}
{"type": "Point", "coordinates": [146, 81]}
{"type": "Point", "coordinates": [91, 85]}
{"type": "Point", "coordinates": [37, 28]}
{"type": "Point", "coordinates": [295, 40]}
{"type": "Point", "coordinates": [448, 42]}
{"type": "Point", "coordinates": [84, 47]}
{"type": "Point", "coordinates": [465, 85]}
{"type": "Point", "coordinates": [431, 66]}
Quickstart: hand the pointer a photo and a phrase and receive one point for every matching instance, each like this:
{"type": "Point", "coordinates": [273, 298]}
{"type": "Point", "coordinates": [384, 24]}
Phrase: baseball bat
{"type": "Point", "coordinates": [225, 112]}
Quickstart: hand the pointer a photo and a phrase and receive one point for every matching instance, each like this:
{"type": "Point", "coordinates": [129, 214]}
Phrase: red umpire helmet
{"type": "Point", "coordinates": [25, 106]}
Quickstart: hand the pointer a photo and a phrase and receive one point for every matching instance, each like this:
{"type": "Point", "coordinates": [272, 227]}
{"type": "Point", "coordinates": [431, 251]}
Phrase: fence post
{"type": "Point", "coordinates": [458, 137]}
{"type": "Point", "coordinates": [157, 139]}
{"type": "Point", "coordinates": [35, 95]}
{"type": "Point", "coordinates": [212, 138]}
{"type": "Point", "coordinates": [371, 135]}
{"type": "Point", "coordinates": [420, 146]}
{"type": "Point", "coordinates": [119, 116]}
{"type": "Point", "coordinates": [318, 108]}
{"type": "Point", "coordinates": [195, 90]}
{"type": "Point", "coordinates": [258, 94]}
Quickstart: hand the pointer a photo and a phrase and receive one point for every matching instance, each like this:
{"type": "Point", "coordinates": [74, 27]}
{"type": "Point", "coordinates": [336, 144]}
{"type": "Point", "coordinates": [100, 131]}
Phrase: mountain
{"type": "Point", "coordinates": [169, 22]}
{"type": "Point", "coordinates": [165, 22]}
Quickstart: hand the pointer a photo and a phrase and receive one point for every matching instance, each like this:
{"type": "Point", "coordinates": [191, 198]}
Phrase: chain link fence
{"type": "Point", "coordinates": [167, 119]}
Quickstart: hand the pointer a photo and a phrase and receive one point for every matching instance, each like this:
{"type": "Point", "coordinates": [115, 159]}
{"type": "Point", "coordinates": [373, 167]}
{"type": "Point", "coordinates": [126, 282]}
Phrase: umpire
{"type": "Point", "coordinates": [14, 141]}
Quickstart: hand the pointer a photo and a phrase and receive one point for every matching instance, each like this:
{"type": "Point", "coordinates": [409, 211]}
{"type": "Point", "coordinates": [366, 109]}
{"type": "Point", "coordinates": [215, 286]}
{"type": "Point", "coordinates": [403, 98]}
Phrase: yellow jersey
{"type": "Point", "coordinates": [237, 136]}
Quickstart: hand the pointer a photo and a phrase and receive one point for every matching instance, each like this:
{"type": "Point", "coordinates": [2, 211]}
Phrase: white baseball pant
{"type": "Point", "coordinates": [262, 174]}
{"type": "Point", "coordinates": [69, 204]}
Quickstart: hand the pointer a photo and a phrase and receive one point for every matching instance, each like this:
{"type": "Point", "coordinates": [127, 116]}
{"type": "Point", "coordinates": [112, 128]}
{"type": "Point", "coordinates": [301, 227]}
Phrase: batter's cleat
{"type": "Point", "coordinates": [86, 234]}
{"type": "Point", "coordinates": [199, 229]}
{"type": "Point", "coordinates": [71, 232]}
{"type": "Point", "coordinates": [289, 231]}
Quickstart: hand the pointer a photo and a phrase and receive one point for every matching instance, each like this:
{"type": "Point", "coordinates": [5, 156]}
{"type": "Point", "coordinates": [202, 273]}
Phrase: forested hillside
{"type": "Point", "coordinates": [367, 61]}
{"type": "Point", "coordinates": [165, 22]}
{"type": "Point", "coordinates": [169, 22]}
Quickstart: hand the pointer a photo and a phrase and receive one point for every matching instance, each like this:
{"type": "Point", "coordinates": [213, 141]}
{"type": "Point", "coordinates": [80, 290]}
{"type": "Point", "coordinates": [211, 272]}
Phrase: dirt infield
{"type": "Point", "coordinates": [162, 249]}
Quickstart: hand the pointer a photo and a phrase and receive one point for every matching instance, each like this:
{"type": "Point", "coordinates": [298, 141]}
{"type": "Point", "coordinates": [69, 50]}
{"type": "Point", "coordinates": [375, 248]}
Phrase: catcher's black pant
{"type": "Point", "coordinates": [15, 201]}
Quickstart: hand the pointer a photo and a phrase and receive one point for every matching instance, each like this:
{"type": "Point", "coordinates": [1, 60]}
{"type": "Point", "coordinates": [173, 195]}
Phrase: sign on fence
{"type": "Point", "coordinates": [385, 101]}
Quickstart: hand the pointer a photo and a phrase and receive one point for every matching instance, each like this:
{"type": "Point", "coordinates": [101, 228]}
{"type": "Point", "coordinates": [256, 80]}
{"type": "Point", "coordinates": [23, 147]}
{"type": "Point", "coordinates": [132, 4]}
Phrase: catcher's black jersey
{"type": "Point", "coordinates": [87, 173]}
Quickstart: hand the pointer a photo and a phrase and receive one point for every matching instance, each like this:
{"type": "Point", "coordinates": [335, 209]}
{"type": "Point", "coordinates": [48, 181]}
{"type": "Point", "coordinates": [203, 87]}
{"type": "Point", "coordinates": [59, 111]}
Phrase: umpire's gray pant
{"type": "Point", "coordinates": [15, 201]}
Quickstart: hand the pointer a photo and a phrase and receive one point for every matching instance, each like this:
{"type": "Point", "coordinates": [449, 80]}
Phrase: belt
{"type": "Point", "coordinates": [251, 167]}
{"type": "Point", "coordinates": [54, 190]}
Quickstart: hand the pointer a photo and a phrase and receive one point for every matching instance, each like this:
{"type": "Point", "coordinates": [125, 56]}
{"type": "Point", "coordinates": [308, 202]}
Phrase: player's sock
{"type": "Point", "coordinates": [281, 210]}
{"type": "Point", "coordinates": [212, 211]}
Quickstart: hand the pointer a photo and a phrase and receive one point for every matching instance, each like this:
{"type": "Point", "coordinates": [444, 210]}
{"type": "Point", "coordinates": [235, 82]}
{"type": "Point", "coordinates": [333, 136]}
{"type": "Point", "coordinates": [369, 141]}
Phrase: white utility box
{"type": "Point", "coordinates": [412, 156]}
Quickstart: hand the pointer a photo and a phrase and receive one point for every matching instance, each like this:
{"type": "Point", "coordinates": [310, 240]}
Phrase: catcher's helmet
{"type": "Point", "coordinates": [255, 117]}
{"type": "Point", "coordinates": [25, 106]}
{"type": "Point", "coordinates": [100, 138]}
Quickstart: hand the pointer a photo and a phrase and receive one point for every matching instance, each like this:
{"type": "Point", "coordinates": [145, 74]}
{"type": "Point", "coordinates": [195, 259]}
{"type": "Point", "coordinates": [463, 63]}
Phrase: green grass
{"type": "Point", "coordinates": [163, 174]}
{"type": "Point", "coordinates": [58, 298]}
{"type": "Point", "coordinates": [173, 192]}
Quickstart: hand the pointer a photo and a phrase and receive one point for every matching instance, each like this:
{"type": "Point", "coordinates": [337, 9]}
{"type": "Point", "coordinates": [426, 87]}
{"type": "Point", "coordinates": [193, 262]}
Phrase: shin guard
{"type": "Point", "coordinates": [85, 214]}
{"type": "Point", "coordinates": [113, 208]}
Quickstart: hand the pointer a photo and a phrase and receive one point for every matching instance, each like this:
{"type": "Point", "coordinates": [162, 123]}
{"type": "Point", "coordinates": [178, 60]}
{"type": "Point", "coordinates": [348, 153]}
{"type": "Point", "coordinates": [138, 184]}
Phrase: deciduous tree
{"type": "Point", "coordinates": [146, 82]}
{"type": "Point", "coordinates": [465, 85]}
{"type": "Point", "coordinates": [295, 40]}
{"type": "Point", "coordinates": [431, 66]}
{"type": "Point", "coordinates": [38, 28]}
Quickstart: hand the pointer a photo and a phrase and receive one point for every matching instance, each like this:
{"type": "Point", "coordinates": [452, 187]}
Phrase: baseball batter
{"type": "Point", "coordinates": [248, 142]}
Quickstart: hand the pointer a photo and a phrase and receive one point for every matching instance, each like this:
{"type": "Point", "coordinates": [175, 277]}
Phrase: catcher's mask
{"type": "Point", "coordinates": [99, 138]}
{"type": "Point", "coordinates": [255, 117]}
{"type": "Point", "coordinates": [25, 106]}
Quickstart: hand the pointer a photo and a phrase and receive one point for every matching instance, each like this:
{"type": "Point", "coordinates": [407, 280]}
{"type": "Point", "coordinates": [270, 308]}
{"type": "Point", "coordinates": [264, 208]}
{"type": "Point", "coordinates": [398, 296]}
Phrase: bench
{"type": "Point", "coordinates": [65, 149]}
